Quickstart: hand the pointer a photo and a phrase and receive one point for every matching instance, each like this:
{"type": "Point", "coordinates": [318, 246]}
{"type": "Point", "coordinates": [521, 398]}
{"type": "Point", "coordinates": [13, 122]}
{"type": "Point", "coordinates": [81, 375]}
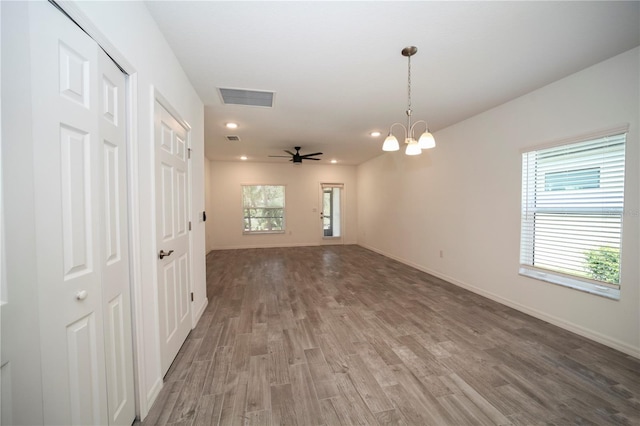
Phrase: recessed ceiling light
{"type": "Point", "coordinates": [375, 134]}
{"type": "Point", "coordinates": [334, 161]}
{"type": "Point", "coordinates": [231, 125]}
{"type": "Point", "coordinates": [244, 157]}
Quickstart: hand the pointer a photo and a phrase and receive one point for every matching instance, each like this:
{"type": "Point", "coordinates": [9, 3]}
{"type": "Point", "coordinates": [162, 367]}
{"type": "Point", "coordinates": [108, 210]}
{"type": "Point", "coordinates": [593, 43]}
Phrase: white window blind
{"type": "Point", "coordinates": [572, 208]}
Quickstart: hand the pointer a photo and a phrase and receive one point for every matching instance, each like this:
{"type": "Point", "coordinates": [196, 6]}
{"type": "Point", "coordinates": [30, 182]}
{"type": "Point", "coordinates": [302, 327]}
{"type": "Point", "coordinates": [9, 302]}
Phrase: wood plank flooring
{"type": "Point", "coordinates": [341, 335]}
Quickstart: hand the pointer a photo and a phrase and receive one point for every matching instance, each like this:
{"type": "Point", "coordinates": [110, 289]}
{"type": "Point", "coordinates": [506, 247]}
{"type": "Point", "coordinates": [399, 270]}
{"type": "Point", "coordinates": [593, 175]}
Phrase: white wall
{"type": "Point", "coordinates": [302, 197]}
{"type": "Point", "coordinates": [20, 345]}
{"type": "Point", "coordinates": [464, 198]}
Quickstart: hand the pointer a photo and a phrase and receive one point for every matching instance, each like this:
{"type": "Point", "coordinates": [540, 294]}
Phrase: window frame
{"type": "Point", "coordinates": [284, 209]}
{"type": "Point", "coordinates": [529, 210]}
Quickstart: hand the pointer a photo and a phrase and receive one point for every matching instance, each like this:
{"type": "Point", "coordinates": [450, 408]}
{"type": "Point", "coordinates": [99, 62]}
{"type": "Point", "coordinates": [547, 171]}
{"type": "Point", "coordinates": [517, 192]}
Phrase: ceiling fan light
{"type": "Point", "coordinates": [427, 141]}
{"type": "Point", "coordinates": [390, 144]}
{"type": "Point", "coordinates": [413, 148]}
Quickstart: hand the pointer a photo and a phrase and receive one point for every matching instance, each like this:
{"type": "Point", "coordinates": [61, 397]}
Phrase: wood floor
{"type": "Point", "coordinates": [341, 335]}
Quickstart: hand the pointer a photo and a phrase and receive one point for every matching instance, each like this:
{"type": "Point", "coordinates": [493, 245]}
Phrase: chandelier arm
{"type": "Point", "coordinates": [426, 127]}
{"type": "Point", "coordinates": [406, 134]}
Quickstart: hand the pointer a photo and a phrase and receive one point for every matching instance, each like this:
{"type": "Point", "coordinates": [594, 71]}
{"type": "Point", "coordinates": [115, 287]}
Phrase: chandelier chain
{"type": "Point", "coordinates": [409, 83]}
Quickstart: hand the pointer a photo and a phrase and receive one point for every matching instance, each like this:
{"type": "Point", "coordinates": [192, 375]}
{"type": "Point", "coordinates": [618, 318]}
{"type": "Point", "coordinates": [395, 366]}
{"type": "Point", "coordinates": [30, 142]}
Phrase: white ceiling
{"type": "Point", "coordinates": [338, 74]}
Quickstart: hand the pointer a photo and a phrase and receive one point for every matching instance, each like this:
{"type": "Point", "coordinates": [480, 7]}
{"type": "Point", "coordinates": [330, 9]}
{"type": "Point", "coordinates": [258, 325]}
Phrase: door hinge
{"type": "Point", "coordinates": [189, 225]}
{"type": "Point", "coordinates": [192, 296]}
{"type": "Point", "coordinates": [189, 153]}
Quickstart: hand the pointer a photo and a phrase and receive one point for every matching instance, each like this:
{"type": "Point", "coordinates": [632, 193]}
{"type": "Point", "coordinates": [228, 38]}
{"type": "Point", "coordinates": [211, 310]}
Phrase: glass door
{"type": "Point", "coordinates": [331, 213]}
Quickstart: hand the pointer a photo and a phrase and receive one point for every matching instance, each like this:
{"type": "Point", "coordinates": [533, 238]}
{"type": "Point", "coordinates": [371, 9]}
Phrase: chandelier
{"type": "Point", "coordinates": [426, 141]}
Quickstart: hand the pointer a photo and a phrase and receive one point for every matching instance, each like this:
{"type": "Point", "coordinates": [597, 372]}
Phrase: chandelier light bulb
{"type": "Point", "coordinates": [413, 148]}
{"type": "Point", "coordinates": [427, 141]}
{"type": "Point", "coordinates": [390, 144]}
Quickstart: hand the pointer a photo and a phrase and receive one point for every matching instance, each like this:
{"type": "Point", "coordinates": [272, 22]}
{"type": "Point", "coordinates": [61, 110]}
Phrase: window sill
{"type": "Point", "coordinates": [574, 283]}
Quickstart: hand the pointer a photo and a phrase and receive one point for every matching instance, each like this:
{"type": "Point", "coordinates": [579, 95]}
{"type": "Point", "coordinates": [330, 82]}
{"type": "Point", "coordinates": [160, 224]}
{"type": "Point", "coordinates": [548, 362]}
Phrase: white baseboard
{"type": "Point", "coordinates": [562, 323]}
{"type": "Point", "coordinates": [281, 245]}
{"type": "Point", "coordinates": [198, 313]}
{"type": "Point", "coordinates": [254, 246]}
{"type": "Point", "coordinates": [151, 396]}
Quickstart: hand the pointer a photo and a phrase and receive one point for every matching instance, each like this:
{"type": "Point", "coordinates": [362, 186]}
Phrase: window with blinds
{"type": "Point", "coordinates": [572, 209]}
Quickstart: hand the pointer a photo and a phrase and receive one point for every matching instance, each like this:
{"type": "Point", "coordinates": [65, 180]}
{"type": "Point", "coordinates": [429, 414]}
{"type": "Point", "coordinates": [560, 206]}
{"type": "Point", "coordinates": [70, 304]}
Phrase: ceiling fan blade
{"type": "Point", "coordinates": [289, 152]}
{"type": "Point", "coordinates": [310, 155]}
{"type": "Point", "coordinates": [315, 159]}
{"type": "Point", "coordinates": [281, 156]}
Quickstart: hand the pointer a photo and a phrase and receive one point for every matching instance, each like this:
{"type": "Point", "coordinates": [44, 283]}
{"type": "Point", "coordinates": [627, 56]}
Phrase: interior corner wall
{"type": "Point", "coordinates": [208, 200]}
{"type": "Point", "coordinates": [302, 204]}
{"type": "Point", "coordinates": [463, 198]}
{"type": "Point", "coordinates": [129, 27]}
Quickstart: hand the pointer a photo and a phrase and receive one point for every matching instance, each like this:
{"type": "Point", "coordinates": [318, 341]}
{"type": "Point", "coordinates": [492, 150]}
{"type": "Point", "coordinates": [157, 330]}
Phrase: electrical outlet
{"type": "Point", "coordinates": [441, 254]}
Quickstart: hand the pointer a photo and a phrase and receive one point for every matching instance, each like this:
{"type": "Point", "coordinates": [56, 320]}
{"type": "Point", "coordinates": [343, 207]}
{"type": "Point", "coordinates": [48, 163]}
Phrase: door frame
{"type": "Point", "coordinates": [73, 12]}
{"type": "Point", "coordinates": [332, 240]}
{"type": "Point", "coordinates": [156, 96]}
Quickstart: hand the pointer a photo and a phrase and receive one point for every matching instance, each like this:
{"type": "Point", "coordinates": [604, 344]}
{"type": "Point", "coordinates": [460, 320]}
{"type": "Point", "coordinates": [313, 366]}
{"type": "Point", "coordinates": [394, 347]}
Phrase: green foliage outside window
{"type": "Point", "coordinates": [263, 208]}
{"type": "Point", "coordinates": [603, 264]}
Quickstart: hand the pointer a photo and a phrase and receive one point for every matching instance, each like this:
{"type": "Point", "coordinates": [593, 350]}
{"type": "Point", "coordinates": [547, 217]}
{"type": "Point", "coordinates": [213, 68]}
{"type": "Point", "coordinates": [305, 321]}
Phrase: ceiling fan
{"type": "Point", "coordinates": [297, 157]}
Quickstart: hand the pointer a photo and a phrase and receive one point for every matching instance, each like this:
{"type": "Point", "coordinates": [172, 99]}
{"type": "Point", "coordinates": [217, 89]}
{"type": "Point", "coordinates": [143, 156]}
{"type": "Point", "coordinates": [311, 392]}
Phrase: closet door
{"type": "Point", "coordinates": [114, 241]}
{"type": "Point", "coordinates": [80, 198]}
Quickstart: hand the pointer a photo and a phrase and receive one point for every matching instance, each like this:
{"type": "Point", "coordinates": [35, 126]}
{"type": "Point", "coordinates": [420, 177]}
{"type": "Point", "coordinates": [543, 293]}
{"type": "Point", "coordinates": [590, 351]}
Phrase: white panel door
{"type": "Point", "coordinates": [114, 242]}
{"type": "Point", "coordinates": [172, 234]}
{"type": "Point", "coordinates": [80, 199]}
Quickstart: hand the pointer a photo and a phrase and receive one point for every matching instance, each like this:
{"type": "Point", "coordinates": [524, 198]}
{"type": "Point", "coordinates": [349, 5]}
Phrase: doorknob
{"type": "Point", "coordinates": [81, 295]}
{"type": "Point", "coordinates": [163, 254]}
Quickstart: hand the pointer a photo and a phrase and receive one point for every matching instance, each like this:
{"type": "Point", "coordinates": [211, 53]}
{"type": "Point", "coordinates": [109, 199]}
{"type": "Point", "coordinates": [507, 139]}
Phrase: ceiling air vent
{"type": "Point", "coordinates": [246, 97]}
{"type": "Point", "coordinates": [233, 138]}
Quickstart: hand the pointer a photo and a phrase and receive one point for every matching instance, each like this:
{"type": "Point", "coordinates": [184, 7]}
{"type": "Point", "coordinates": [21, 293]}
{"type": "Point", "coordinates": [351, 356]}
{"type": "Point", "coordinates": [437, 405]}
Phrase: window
{"type": "Point", "coordinates": [572, 206]}
{"type": "Point", "coordinates": [263, 207]}
{"type": "Point", "coordinates": [572, 179]}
